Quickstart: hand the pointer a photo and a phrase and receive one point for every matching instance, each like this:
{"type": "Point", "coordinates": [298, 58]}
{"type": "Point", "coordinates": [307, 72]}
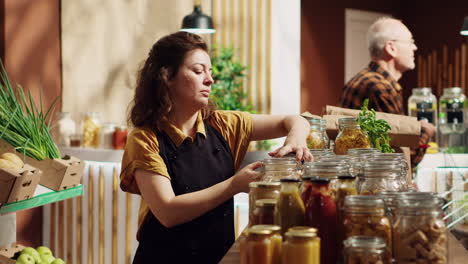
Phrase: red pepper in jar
{"type": "Point", "coordinates": [120, 137]}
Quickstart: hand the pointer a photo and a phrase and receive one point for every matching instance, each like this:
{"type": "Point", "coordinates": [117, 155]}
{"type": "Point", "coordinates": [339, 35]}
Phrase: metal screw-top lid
{"type": "Point", "coordinates": [298, 234]}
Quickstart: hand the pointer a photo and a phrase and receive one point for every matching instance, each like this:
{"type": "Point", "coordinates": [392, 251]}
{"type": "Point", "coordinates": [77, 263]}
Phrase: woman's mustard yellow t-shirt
{"type": "Point", "coordinates": [142, 147]}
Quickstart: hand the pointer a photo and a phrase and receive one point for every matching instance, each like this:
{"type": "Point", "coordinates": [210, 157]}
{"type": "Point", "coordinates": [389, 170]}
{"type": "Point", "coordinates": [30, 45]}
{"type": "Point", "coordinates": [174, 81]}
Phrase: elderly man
{"type": "Point", "coordinates": [391, 46]}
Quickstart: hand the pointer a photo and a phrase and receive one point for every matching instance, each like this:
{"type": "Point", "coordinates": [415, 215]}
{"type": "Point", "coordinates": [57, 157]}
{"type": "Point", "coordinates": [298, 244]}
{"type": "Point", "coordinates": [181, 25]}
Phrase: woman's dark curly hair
{"type": "Point", "coordinates": [152, 102]}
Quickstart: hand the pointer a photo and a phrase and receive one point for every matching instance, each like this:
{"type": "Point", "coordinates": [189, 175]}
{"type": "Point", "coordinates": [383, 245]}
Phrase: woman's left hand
{"type": "Point", "coordinates": [290, 146]}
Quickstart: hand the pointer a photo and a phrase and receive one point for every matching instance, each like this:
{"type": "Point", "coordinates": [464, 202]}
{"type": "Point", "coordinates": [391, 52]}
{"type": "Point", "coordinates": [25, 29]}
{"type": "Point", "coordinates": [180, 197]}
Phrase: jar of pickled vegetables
{"type": "Point", "coordinates": [92, 130]}
{"type": "Point", "coordinates": [350, 136]}
{"type": "Point", "coordinates": [264, 212]}
{"type": "Point", "coordinates": [317, 138]}
{"type": "Point", "coordinates": [301, 248]}
{"type": "Point", "coordinates": [346, 186]}
{"type": "Point", "coordinates": [261, 190]}
{"type": "Point", "coordinates": [364, 215]}
{"type": "Point", "coordinates": [365, 249]}
{"type": "Point", "coordinates": [290, 207]}
{"type": "Point", "coordinates": [276, 241]}
{"type": "Point", "coordinates": [420, 232]}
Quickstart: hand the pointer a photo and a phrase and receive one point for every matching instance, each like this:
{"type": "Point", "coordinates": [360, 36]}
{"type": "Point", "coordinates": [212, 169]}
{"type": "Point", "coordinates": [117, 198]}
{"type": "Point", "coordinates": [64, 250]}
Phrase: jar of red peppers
{"type": "Point", "coordinates": [321, 214]}
{"type": "Point", "coordinates": [120, 137]}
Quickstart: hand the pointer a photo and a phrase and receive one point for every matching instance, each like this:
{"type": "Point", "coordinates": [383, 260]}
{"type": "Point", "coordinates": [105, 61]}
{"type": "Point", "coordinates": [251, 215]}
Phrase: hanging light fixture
{"type": "Point", "coordinates": [464, 30]}
{"type": "Point", "coordinates": [197, 22]}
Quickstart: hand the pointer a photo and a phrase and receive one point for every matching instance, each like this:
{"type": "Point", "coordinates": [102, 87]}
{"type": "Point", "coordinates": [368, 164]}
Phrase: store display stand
{"type": "Point", "coordinates": [42, 196]}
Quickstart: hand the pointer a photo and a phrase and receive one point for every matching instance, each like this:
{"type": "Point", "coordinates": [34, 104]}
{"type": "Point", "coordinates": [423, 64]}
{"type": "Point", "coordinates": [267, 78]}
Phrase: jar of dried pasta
{"type": "Point", "coordinates": [420, 231]}
{"type": "Point", "coordinates": [364, 215]}
{"type": "Point", "coordinates": [350, 136]}
{"type": "Point", "coordinates": [365, 249]}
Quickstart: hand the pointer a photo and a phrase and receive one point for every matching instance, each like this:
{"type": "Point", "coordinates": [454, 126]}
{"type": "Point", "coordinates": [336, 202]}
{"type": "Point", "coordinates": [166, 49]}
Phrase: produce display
{"type": "Point", "coordinates": [24, 124]}
{"type": "Point", "coordinates": [40, 255]}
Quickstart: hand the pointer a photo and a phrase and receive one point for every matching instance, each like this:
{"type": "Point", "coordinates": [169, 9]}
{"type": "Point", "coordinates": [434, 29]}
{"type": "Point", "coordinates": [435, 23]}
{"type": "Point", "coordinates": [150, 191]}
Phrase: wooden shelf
{"type": "Point", "coordinates": [42, 195]}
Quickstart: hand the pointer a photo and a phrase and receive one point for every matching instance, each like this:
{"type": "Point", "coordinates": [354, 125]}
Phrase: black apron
{"type": "Point", "coordinates": [192, 167]}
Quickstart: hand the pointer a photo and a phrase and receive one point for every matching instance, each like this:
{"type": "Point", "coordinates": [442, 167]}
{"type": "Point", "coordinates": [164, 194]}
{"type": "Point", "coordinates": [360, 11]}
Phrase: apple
{"type": "Point", "coordinates": [47, 259]}
{"type": "Point", "coordinates": [44, 251]}
{"type": "Point", "coordinates": [32, 252]}
{"type": "Point", "coordinates": [58, 261]}
{"type": "Point", "coordinates": [25, 259]}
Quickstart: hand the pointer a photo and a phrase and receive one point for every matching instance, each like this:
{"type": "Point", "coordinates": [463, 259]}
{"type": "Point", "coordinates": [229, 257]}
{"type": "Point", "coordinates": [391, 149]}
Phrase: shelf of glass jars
{"type": "Point", "coordinates": [42, 196]}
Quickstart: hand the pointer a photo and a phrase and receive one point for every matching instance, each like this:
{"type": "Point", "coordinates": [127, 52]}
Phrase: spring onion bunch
{"type": "Point", "coordinates": [377, 129]}
{"type": "Point", "coordinates": [22, 124]}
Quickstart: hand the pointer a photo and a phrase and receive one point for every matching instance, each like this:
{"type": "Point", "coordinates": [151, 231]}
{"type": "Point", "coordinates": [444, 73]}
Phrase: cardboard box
{"type": "Point", "coordinates": [18, 184]}
{"type": "Point", "coordinates": [57, 174]}
{"type": "Point", "coordinates": [405, 130]}
{"type": "Point", "coordinates": [7, 253]}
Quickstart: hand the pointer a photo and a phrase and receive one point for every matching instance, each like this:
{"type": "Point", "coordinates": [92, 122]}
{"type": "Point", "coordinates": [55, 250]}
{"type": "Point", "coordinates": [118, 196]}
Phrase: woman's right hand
{"type": "Point", "coordinates": [240, 180]}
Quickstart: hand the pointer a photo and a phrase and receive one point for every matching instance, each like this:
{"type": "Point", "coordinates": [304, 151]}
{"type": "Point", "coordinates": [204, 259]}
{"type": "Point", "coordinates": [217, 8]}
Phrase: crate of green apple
{"type": "Point", "coordinates": [18, 254]}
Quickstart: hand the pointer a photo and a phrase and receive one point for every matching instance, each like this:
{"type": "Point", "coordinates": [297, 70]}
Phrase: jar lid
{"type": "Point", "coordinates": [289, 180]}
{"type": "Point", "coordinates": [260, 184]}
{"type": "Point", "coordinates": [365, 242]}
{"type": "Point", "coordinates": [258, 231]}
{"type": "Point", "coordinates": [265, 202]}
{"type": "Point", "coordinates": [273, 228]}
{"type": "Point", "coordinates": [346, 177]}
{"type": "Point", "coordinates": [422, 91]}
{"type": "Point", "coordinates": [318, 180]}
{"type": "Point", "coordinates": [300, 234]}
{"type": "Point", "coordinates": [453, 91]}
{"type": "Point", "coordinates": [416, 205]}
{"type": "Point", "coordinates": [372, 201]}
{"type": "Point", "coordinates": [302, 229]}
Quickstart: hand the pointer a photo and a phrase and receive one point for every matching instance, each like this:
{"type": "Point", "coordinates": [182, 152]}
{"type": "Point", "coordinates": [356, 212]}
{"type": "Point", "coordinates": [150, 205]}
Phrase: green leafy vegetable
{"type": "Point", "coordinates": [22, 124]}
{"type": "Point", "coordinates": [377, 129]}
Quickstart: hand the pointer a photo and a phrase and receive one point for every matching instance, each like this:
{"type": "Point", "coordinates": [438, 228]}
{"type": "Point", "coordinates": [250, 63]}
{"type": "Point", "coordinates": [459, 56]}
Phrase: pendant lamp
{"type": "Point", "coordinates": [464, 30]}
{"type": "Point", "coordinates": [197, 22]}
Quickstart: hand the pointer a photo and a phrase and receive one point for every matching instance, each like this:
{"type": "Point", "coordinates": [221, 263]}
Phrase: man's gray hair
{"type": "Point", "coordinates": [378, 34]}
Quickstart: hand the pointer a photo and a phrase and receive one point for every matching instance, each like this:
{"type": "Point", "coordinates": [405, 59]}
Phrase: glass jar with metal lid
{"type": "Point", "coordinates": [350, 136]}
{"type": "Point", "coordinates": [390, 199]}
{"type": "Point", "coordinates": [276, 240]}
{"type": "Point", "coordinates": [420, 231]}
{"type": "Point", "coordinates": [395, 164]}
{"type": "Point", "coordinates": [365, 249]}
{"type": "Point", "coordinates": [264, 212]}
{"type": "Point", "coordinates": [365, 215]}
{"type": "Point", "coordinates": [258, 247]}
{"type": "Point", "coordinates": [379, 177]}
{"type": "Point", "coordinates": [290, 207]}
{"type": "Point", "coordinates": [317, 153]}
{"type": "Point", "coordinates": [301, 248]}
{"type": "Point", "coordinates": [422, 104]}
{"type": "Point", "coordinates": [261, 190]}
{"type": "Point", "coordinates": [452, 111]}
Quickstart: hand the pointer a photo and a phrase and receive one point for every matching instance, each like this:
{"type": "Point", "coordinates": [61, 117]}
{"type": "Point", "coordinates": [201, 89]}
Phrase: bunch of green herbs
{"type": "Point", "coordinates": [22, 124]}
{"type": "Point", "coordinates": [377, 129]}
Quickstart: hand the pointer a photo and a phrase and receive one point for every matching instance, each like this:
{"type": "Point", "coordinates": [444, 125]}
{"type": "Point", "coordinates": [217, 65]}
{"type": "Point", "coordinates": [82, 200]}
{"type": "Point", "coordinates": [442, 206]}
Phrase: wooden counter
{"type": "Point", "coordinates": [457, 253]}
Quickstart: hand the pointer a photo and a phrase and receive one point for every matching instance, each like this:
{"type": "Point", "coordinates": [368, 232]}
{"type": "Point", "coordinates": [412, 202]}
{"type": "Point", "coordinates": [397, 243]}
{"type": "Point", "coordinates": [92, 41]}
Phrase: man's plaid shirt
{"type": "Point", "coordinates": [385, 95]}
